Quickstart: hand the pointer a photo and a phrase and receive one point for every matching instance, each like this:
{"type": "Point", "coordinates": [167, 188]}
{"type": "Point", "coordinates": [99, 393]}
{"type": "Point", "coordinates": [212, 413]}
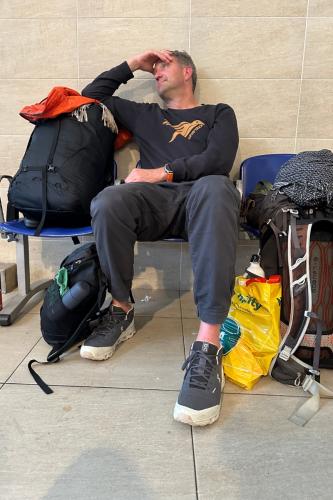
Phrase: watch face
{"type": "Point", "coordinates": [167, 169]}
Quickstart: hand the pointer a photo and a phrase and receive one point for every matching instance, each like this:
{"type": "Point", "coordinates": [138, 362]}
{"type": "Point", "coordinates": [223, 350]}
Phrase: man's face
{"type": "Point", "coordinates": [169, 77]}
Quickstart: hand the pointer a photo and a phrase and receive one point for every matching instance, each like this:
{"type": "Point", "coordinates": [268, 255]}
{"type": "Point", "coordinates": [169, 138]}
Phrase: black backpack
{"type": "Point", "coordinates": [71, 304]}
{"type": "Point", "coordinates": [66, 163]}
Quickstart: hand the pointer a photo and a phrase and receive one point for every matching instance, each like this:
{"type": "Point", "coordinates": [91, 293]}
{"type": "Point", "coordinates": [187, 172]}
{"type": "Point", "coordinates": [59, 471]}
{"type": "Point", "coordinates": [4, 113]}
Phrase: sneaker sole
{"type": "Point", "coordinates": [197, 418]}
{"type": "Point", "coordinates": [102, 353]}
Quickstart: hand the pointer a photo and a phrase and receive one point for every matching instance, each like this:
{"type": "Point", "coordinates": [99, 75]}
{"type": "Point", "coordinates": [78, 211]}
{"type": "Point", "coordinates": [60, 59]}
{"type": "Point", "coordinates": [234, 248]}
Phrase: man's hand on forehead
{"type": "Point", "coordinates": [147, 60]}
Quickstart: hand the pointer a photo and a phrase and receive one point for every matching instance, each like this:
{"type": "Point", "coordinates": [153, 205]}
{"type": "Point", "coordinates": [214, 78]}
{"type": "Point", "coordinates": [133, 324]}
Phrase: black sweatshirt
{"type": "Point", "coordinates": [195, 142]}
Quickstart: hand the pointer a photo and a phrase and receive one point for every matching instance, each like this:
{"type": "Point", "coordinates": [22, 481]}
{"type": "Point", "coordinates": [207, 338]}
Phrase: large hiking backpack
{"type": "Point", "coordinates": [66, 163]}
{"type": "Point", "coordinates": [72, 303]}
{"type": "Point", "coordinates": [296, 242]}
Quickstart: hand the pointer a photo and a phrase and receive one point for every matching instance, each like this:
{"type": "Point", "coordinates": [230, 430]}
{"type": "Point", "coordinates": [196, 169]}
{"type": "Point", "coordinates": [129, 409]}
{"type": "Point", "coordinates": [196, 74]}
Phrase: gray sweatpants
{"type": "Point", "coordinates": [205, 212]}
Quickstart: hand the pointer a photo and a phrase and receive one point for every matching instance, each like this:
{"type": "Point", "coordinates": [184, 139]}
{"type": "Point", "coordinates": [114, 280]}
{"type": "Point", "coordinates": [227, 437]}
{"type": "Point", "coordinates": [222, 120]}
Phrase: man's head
{"type": "Point", "coordinates": [179, 74]}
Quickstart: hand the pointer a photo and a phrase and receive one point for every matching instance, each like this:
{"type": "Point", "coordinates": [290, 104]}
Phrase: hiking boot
{"type": "Point", "coordinates": [115, 327]}
{"type": "Point", "coordinates": [199, 400]}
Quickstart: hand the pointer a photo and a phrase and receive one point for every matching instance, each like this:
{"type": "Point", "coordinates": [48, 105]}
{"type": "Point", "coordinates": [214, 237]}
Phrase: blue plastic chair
{"type": "Point", "coordinates": [252, 170]}
{"type": "Point", "coordinates": [16, 231]}
{"type": "Point", "coordinates": [259, 168]}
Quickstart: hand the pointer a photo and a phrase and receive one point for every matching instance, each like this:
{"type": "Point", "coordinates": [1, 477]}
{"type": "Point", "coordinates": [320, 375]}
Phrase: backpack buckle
{"type": "Point", "coordinates": [307, 382]}
{"type": "Point", "coordinates": [285, 353]}
{"type": "Point", "coordinates": [311, 314]}
{"type": "Point", "coordinates": [316, 373]}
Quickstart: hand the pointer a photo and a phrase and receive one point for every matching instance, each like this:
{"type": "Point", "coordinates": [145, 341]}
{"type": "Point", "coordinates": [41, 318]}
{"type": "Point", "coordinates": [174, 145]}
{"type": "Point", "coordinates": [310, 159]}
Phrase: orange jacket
{"type": "Point", "coordinates": [65, 100]}
{"type": "Point", "coordinates": [59, 100]}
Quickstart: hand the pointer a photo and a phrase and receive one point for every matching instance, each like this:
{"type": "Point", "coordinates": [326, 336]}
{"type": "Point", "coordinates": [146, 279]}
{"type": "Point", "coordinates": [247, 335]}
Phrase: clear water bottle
{"type": "Point", "coordinates": [76, 294]}
{"type": "Point", "coordinates": [254, 270]}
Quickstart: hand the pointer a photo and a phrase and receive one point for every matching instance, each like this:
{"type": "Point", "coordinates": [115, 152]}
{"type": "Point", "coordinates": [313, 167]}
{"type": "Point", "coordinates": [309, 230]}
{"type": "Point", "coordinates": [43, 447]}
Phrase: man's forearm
{"type": "Point", "coordinates": [152, 175]}
{"type": "Point", "coordinates": [133, 64]}
{"type": "Point", "coordinates": [108, 82]}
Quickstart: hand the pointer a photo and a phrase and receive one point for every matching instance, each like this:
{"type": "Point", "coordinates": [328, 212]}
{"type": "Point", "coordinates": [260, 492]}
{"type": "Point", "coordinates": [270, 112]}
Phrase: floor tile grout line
{"type": "Point", "coordinates": [25, 357]}
{"type": "Point", "coordinates": [192, 441]}
{"type": "Point", "coordinates": [144, 389]}
{"type": "Point", "coordinates": [195, 466]}
{"type": "Point", "coordinates": [147, 389]}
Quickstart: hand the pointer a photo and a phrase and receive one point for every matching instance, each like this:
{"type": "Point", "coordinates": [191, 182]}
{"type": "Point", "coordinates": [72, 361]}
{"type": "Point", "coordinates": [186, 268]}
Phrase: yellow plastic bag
{"type": "Point", "coordinates": [250, 335]}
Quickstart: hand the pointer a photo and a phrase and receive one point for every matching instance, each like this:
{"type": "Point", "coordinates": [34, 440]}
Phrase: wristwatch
{"type": "Point", "coordinates": [169, 172]}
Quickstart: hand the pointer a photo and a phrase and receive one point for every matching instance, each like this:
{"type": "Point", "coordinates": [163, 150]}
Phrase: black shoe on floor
{"type": "Point", "coordinates": [199, 400]}
{"type": "Point", "coordinates": [115, 327]}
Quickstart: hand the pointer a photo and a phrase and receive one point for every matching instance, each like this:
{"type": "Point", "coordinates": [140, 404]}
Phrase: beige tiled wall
{"type": "Point", "coordinates": [272, 60]}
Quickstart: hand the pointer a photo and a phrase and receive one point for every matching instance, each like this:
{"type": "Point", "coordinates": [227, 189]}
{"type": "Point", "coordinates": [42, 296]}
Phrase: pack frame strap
{"type": "Point", "coordinates": [45, 169]}
{"type": "Point", "coordinates": [319, 332]}
{"type": "Point", "coordinates": [300, 290]}
{"type": "Point", "coordinates": [298, 252]}
{"type": "Point", "coordinates": [277, 234]}
{"type": "Point", "coordinates": [307, 410]}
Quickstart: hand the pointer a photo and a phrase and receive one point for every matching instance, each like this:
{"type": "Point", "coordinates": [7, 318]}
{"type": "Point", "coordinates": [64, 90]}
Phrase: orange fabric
{"type": "Point", "coordinates": [59, 100]}
{"type": "Point", "coordinates": [65, 100]}
{"type": "Point", "coordinates": [123, 137]}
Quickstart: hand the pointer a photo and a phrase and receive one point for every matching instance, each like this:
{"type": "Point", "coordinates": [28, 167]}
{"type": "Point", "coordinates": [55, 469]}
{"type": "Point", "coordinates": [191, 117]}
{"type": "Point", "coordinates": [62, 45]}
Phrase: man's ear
{"type": "Point", "coordinates": [188, 73]}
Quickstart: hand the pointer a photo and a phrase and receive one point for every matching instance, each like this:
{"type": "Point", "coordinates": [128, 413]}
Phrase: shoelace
{"type": "Point", "coordinates": [108, 321]}
{"type": "Point", "coordinates": [199, 374]}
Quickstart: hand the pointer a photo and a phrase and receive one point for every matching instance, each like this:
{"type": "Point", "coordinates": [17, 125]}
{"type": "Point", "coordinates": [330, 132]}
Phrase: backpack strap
{"type": "Point", "coordinates": [55, 353]}
{"type": "Point", "coordinates": [48, 167]}
{"type": "Point", "coordinates": [277, 233]}
{"type": "Point", "coordinates": [300, 286]}
{"type": "Point", "coordinates": [306, 411]}
{"type": "Point", "coordinates": [11, 212]}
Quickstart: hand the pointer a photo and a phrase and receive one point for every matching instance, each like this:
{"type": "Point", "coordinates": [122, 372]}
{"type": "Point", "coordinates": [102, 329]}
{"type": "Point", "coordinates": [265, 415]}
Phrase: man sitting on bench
{"type": "Point", "coordinates": [186, 151]}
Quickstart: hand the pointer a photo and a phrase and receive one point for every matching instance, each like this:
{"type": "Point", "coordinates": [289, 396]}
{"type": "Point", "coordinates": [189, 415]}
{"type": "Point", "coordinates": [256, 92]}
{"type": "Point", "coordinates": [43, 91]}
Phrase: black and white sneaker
{"type": "Point", "coordinates": [115, 327]}
{"type": "Point", "coordinates": [199, 400]}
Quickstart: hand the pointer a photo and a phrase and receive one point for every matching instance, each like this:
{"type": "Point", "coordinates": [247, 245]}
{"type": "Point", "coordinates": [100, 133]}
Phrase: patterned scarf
{"type": "Point", "coordinates": [307, 178]}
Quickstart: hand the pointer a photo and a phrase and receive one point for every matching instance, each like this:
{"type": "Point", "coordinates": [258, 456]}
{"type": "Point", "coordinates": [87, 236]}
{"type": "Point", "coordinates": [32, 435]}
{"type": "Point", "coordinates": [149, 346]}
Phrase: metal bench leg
{"type": "Point", "coordinates": [25, 290]}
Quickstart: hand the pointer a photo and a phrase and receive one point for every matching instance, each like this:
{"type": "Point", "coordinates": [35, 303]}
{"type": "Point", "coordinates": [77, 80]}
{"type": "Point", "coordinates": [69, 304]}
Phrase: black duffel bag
{"type": "Point", "coordinates": [66, 163]}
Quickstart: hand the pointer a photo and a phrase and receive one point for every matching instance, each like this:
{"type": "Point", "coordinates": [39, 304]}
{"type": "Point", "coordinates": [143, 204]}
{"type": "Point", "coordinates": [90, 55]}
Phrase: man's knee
{"type": "Point", "coordinates": [109, 201]}
{"type": "Point", "coordinates": [215, 189]}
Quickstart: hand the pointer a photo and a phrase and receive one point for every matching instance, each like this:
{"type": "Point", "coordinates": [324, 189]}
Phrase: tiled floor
{"type": "Point", "coordinates": [107, 430]}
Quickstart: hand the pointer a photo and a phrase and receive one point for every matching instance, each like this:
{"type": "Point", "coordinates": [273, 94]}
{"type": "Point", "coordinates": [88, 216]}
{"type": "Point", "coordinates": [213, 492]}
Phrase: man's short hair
{"type": "Point", "coordinates": [186, 60]}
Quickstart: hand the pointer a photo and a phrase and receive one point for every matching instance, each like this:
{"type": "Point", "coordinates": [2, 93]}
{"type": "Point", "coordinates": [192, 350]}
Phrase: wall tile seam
{"type": "Point", "coordinates": [54, 18]}
{"type": "Point", "coordinates": [152, 79]}
{"type": "Point", "coordinates": [299, 103]}
{"type": "Point", "coordinates": [49, 18]}
{"type": "Point", "coordinates": [242, 138]}
{"type": "Point", "coordinates": [189, 26]}
{"type": "Point", "coordinates": [133, 17]}
{"type": "Point", "coordinates": [25, 79]}
{"type": "Point", "coordinates": [77, 43]}
{"type": "Point", "coordinates": [262, 17]}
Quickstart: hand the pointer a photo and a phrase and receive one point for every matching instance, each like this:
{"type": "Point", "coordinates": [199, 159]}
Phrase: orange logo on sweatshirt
{"type": "Point", "coordinates": [185, 129]}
